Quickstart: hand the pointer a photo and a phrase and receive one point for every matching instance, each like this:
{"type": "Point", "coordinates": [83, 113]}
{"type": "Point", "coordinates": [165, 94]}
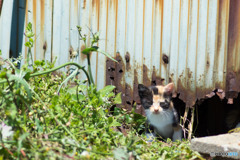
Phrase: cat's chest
{"type": "Point", "coordinates": [161, 120]}
{"type": "Point", "coordinates": [162, 124]}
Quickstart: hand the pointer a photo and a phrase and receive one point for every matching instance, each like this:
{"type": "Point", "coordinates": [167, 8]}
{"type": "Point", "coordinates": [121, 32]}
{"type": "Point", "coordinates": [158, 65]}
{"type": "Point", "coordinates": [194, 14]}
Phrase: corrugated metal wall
{"type": "Point", "coordinates": [193, 43]}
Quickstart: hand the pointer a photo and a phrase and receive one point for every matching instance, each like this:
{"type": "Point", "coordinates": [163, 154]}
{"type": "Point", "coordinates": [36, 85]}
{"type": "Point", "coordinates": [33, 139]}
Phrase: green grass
{"type": "Point", "coordinates": [79, 122]}
{"type": "Point", "coordinates": [45, 114]}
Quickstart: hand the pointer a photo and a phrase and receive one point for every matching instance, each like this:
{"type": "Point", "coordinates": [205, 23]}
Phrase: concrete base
{"type": "Point", "coordinates": [225, 145]}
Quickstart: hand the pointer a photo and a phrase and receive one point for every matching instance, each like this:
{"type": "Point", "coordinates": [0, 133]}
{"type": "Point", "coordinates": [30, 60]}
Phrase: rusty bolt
{"type": "Point", "coordinates": [45, 46]}
{"type": "Point", "coordinates": [165, 58]}
{"type": "Point", "coordinates": [127, 57]}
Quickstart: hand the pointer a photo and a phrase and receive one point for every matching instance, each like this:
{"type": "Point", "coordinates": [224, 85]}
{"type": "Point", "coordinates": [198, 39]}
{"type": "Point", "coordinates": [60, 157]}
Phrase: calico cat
{"type": "Point", "coordinates": [161, 115]}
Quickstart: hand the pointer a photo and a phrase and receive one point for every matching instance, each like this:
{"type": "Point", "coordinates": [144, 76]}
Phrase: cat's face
{"type": "Point", "coordinates": [156, 99]}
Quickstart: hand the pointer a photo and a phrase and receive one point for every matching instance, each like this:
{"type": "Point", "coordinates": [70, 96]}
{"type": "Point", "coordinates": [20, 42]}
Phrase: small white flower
{"type": "Point", "coordinates": [6, 131]}
{"type": "Point", "coordinates": [85, 153]}
{"type": "Point", "coordinates": [74, 53]}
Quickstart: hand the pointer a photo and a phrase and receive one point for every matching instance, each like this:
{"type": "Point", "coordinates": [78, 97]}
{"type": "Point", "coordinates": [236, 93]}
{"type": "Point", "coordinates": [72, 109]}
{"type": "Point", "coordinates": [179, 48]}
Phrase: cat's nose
{"type": "Point", "coordinates": [156, 110]}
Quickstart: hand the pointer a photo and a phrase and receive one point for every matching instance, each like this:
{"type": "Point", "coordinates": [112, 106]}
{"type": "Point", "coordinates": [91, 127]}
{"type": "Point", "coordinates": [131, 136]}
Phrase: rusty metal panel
{"type": "Point", "coordinates": [130, 82]}
{"type": "Point", "coordinates": [147, 41]}
{"type": "Point", "coordinates": [194, 44]}
{"type": "Point", "coordinates": [5, 24]}
{"type": "Point", "coordinates": [192, 51]}
{"type": "Point", "coordinates": [233, 58]}
{"type": "Point", "coordinates": [94, 26]}
{"type": "Point", "coordinates": [182, 48]}
{"type": "Point", "coordinates": [101, 67]}
{"type": "Point", "coordinates": [120, 47]}
{"type": "Point", "coordinates": [156, 42]}
{"type": "Point", "coordinates": [166, 39]}
{"type": "Point", "coordinates": [47, 27]}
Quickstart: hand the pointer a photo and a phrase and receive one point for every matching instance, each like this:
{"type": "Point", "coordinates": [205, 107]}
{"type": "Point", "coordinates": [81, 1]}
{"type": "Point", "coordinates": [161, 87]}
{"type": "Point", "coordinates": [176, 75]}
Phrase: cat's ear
{"type": "Point", "coordinates": [143, 91]}
{"type": "Point", "coordinates": [169, 89]}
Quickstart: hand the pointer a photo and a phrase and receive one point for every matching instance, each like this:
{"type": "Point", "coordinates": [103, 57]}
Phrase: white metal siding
{"type": "Point", "coordinates": [200, 38]}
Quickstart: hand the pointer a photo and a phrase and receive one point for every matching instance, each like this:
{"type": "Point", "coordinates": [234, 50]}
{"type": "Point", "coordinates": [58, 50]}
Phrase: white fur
{"type": "Point", "coordinates": [177, 135]}
{"type": "Point", "coordinates": [162, 122]}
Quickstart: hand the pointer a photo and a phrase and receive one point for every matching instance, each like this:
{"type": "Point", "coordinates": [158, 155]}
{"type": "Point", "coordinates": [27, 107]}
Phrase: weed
{"type": "Point", "coordinates": [44, 117]}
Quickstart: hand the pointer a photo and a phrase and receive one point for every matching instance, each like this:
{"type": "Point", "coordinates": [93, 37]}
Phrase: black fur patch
{"type": "Point", "coordinates": [145, 95]}
{"type": "Point", "coordinates": [155, 90]}
{"type": "Point", "coordinates": [175, 118]}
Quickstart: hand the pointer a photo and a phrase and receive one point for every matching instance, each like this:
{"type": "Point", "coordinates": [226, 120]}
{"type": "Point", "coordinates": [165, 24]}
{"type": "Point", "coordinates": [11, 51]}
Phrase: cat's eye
{"type": "Point", "coordinates": [167, 95]}
{"type": "Point", "coordinates": [164, 105]}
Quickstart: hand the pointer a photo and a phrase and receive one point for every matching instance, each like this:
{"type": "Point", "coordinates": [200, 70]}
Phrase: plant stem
{"type": "Point", "coordinates": [54, 69]}
{"type": "Point", "coordinates": [89, 68]}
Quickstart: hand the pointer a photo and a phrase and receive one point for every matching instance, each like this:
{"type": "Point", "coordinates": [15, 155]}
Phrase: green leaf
{"type": "Point", "coordinates": [18, 78]}
{"type": "Point", "coordinates": [31, 40]}
{"type": "Point", "coordinates": [3, 74]}
{"type": "Point", "coordinates": [27, 76]}
{"type": "Point", "coordinates": [29, 34]}
{"type": "Point", "coordinates": [29, 26]}
{"type": "Point", "coordinates": [115, 124]}
{"type": "Point", "coordinates": [106, 90]}
{"type": "Point", "coordinates": [88, 50]}
{"type": "Point", "coordinates": [37, 62]}
{"type": "Point", "coordinates": [106, 54]}
{"type": "Point", "coordinates": [68, 78]}
{"type": "Point", "coordinates": [110, 120]}
{"type": "Point", "coordinates": [28, 44]}
{"type": "Point", "coordinates": [21, 138]}
{"type": "Point", "coordinates": [118, 99]}
{"type": "Point", "coordinates": [120, 154]}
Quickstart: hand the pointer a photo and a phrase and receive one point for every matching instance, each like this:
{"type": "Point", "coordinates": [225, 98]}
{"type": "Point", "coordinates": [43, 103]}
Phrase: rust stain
{"type": "Point", "coordinates": [95, 5]}
{"type": "Point", "coordinates": [120, 71]}
{"type": "Point", "coordinates": [220, 28]}
{"type": "Point", "coordinates": [232, 84]}
{"type": "Point", "coordinates": [84, 4]}
{"type": "Point", "coordinates": [34, 12]}
{"type": "Point", "coordinates": [110, 72]}
{"type": "Point", "coordinates": [135, 88]}
{"type": "Point", "coordinates": [185, 94]}
{"type": "Point", "coordinates": [82, 56]}
{"type": "Point", "coordinates": [42, 23]}
{"type": "Point", "coordinates": [75, 7]}
{"type": "Point", "coordinates": [70, 52]}
{"type": "Point", "coordinates": [114, 75]}
{"type": "Point", "coordinates": [129, 101]}
{"type": "Point", "coordinates": [45, 46]}
{"type": "Point", "coordinates": [127, 59]}
{"type": "Point", "coordinates": [146, 80]}
{"type": "Point", "coordinates": [156, 79]}
{"type": "Point", "coordinates": [1, 3]}
{"type": "Point", "coordinates": [42, 12]}
{"type": "Point", "coordinates": [233, 69]}
{"type": "Point", "coordinates": [136, 98]}
{"type": "Point", "coordinates": [207, 62]}
{"type": "Point", "coordinates": [165, 58]}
